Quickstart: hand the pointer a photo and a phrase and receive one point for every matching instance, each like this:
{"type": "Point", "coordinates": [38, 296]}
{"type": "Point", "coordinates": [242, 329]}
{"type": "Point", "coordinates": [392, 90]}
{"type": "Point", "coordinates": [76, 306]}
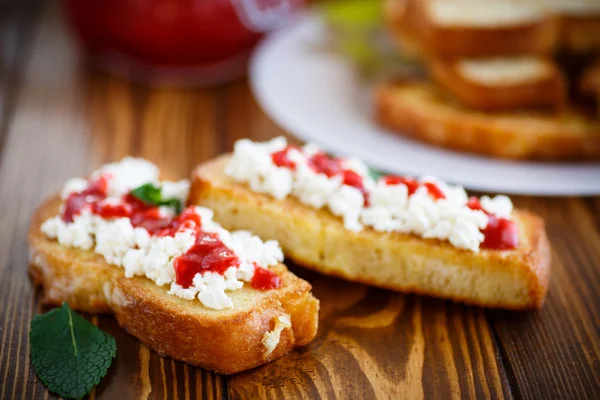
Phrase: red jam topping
{"type": "Point", "coordinates": [96, 191]}
{"type": "Point", "coordinates": [208, 254]}
{"type": "Point", "coordinates": [353, 179]}
{"type": "Point", "coordinates": [281, 159]}
{"type": "Point", "coordinates": [500, 233]}
{"type": "Point", "coordinates": [434, 191]}
{"type": "Point", "coordinates": [321, 163]}
{"type": "Point", "coordinates": [412, 185]}
{"type": "Point", "coordinates": [264, 279]}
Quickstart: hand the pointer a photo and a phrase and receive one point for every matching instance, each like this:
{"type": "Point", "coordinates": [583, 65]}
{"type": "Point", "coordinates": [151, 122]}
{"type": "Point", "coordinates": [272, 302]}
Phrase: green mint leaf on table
{"type": "Point", "coordinates": [151, 195]}
{"type": "Point", "coordinates": [69, 354]}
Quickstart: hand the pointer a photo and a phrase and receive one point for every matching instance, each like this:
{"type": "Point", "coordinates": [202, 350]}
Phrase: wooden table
{"type": "Point", "coordinates": [59, 119]}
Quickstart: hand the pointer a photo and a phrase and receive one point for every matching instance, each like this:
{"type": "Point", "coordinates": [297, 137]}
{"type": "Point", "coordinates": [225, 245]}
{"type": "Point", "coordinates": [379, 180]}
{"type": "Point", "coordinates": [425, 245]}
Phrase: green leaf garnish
{"type": "Point", "coordinates": [374, 174]}
{"type": "Point", "coordinates": [70, 355]}
{"type": "Point", "coordinates": [151, 195]}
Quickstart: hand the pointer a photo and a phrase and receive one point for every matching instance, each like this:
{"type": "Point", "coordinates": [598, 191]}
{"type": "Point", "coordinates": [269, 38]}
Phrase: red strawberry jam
{"type": "Point", "coordinates": [281, 158]}
{"type": "Point", "coordinates": [500, 233]}
{"type": "Point", "coordinates": [264, 279]}
{"type": "Point", "coordinates": [353, 179]}
{"type": "Point", "coordinates": [323, 164]}
{"type": "Point", "coordinates": [208, 254]}
{"type": "Point", "coordinates": [411, 184]}
{"type": "Point", "coordinates": [96, 191]}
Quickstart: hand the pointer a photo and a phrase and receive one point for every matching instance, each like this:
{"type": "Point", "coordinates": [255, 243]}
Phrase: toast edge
{"type": "Point", "coordinates": [472, 132]}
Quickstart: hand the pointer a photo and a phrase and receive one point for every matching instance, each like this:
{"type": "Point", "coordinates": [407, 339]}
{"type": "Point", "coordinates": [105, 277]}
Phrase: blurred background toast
{"type": "Point", "coordinates": [503, 68]}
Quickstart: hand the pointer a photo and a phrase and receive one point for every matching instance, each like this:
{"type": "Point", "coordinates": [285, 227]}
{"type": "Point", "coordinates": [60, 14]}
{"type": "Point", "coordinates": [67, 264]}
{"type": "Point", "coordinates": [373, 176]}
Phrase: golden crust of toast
{"type": "Point", "coordinates": [532, 37]}
{"type": "Point", "coordinates": [545, 91]}
{"type": "Point", "coordinates": [403, 29]}
{"type": "Point", "coordinates": [516, 279]}
{"type": "Point", "coordinates": [579, 34]}
{"type": "Point", "coordinates": [225, 341]}
{"type": "Point", "coordinates": [419, 110]}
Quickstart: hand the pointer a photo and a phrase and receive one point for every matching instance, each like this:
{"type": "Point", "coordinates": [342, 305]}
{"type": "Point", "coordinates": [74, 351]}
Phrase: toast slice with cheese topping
{"type": "Point", "coordinates": [261, 327]}
{"type": "Point", "coordinates": [316, 239]}
{"type": "Point", "coordinates": [474, 28]}
{"type": "Point", "coordinates": [418, 109]}
{"type": "Point", "coordinates": [494, 84]}
{"type": "Point", "coordinates": [579, 25]}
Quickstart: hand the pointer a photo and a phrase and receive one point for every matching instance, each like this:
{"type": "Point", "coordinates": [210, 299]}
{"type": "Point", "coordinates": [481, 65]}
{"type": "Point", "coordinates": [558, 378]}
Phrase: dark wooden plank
{"type": "Point", "coordinates": [18, 21]}
{"type": "Point", "coordinates": [555, 353]}
{"type": "Point", "coordinates": [67, 121]}
{"type": "Point", "coordinates": [372, 343]}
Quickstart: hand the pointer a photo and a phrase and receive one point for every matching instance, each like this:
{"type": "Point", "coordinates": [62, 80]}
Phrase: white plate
{"type": "Point", "coordinates": [316, 96]}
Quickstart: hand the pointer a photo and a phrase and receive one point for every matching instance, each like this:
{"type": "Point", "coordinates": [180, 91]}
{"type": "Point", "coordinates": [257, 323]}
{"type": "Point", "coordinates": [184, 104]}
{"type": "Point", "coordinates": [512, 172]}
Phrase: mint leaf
{"type": "Point", "coordinates": [374, 174]}
{"type": "Point", "coordinates": [69, 354]}
{"type": "Point", "coordinates": [151, 195]}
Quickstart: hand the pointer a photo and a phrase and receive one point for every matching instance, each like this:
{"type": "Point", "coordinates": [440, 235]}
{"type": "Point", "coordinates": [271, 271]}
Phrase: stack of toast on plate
{"type": "Point", "coordinates": [507, 78]}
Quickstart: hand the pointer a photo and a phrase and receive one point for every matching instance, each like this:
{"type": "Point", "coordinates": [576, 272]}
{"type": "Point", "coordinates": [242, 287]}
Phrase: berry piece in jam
{"type": "Point", "coordinates": [96, 191]}
{"type": "Point", "coordinates": [281, 159]}
{"type": "Point", "coordinates": [208, 254]}
{"type": "Point", "coordinates": [474, 203]}
{"type": "Point", "coordinates": [500, 234]}
{"type": "Point", "coordinates": [434, 191]}
{"type": "Point", "coordinates": [323, 164]}
{"type": "Point", "coordinates": [264, 279]}
{"type": "Point", "coordinates": [411, 184]}
{"type": "Point", "coordinates": [353, 179]}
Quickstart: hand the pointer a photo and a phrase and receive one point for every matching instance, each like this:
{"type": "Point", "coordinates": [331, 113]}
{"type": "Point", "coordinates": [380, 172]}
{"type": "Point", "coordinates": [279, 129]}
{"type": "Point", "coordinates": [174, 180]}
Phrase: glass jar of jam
{"type": "Point", "coordinates": [197, 42]}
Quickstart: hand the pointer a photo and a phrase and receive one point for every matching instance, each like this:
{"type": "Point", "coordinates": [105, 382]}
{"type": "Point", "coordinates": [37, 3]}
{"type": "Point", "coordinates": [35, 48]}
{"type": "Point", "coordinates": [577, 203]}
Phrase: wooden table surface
{"type": "Point", "coordinates": [59, 119]}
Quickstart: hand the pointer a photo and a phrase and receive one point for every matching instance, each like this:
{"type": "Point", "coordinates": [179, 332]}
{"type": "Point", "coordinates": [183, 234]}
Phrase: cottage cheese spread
{"type": "Point", "coordinates": [377, 204]}
{"type": "Point", "coordinates": [271, 339]}
{"type": "Point", "coordinates": [142, 254]}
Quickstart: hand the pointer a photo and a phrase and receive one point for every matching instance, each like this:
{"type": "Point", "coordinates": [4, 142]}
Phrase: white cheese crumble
{"type": "Point", "coordinates": [390, 208]}
{"type": "Point", "coordinates": [485, 14]}
{"type": "Point", "coordinates": [141, 254]}
{"type": "Point", "coordinates": [127, 174]}
{"type": "Point", "coordinates": [271, 339]}
{"type": "Point", "coordinates": [504, 71]}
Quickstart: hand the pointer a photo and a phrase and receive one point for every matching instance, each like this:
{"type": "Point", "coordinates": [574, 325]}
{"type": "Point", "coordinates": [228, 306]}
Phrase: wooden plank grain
{"type": "Point", "coordinates": [67, 121]}
{"type": "Point", "coordinates": [371, 343]}
{"type": "Point", "coordinates": [555, 353]}
{"type": "Point", "coordinates": [18, 22]}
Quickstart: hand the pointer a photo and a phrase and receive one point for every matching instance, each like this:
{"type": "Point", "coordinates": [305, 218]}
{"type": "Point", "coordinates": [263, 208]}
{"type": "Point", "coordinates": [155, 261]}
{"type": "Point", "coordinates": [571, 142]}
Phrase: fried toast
{"type": "Point", "coordinates": [494, 84]}
{"type": "Point", "coordinates": [316, 239]}
{"type": "Point", "coordinates": [261, 327]}
{"type": "Point", "coordinates": [419, 110]}
{"type": "Point", "coordinates": [471, 28]}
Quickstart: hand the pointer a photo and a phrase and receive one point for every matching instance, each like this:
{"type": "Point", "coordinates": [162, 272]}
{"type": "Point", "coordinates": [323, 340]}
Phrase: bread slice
{"type": "Point", "coordinates": [515, 279]}
{"type": "Point", "coordinates": [419, 110]}
{"type": "Point", "coordinates": [399, 18]}
{"type": "Point", "coordinates": [579, 25]}
{"type": "Point", "coordinates": [473, 28]}
{"type": "Point", "coordinates": [580, 34]}
{"type": "Point", "coordinates": [501, 83]}
{"type": "Point", "coordinates": [225, 341]}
